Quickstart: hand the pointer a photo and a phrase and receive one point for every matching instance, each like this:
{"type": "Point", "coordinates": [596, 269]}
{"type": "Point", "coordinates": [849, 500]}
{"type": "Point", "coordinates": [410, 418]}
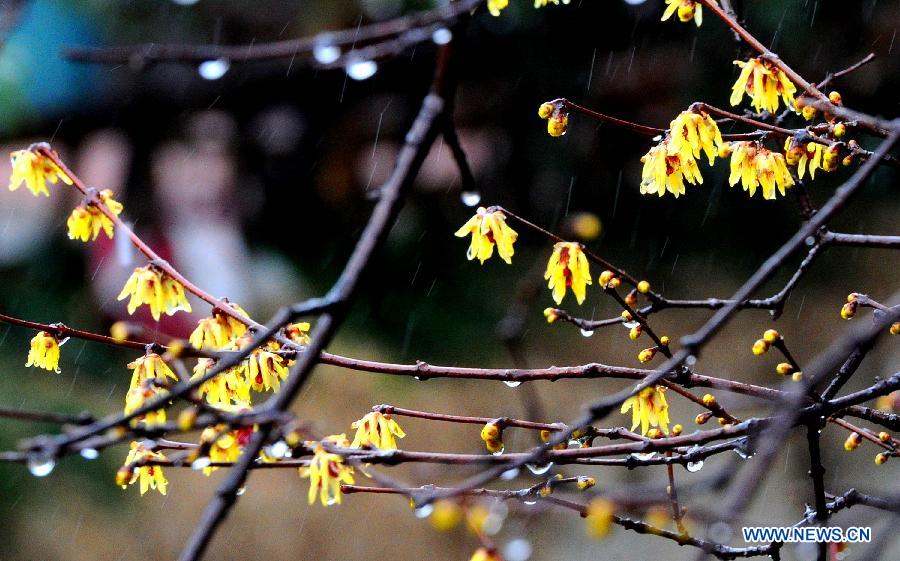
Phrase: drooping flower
{"type": "Point", "coordinates": [377, 430]}
{"type": "Point", "coordinates": [44, 352]}
{"type": "Point", "coordinates": [693, 131]}
{"type": "Point", "coordinates": [86, 221]}
{"type": "Point", "coordinates": [326, 472]}
{"type": "Point", "coordinates": [666, 169]}
{"type": "Point", "coordinates": [568, 268]}
{"type": "Point", "coordinates": [216, 332]}
{"type": "Point", "coordinates": [495, 6]}
{"type": "Point", "coordinates": [764, 83]}
{"type": "Point", "coordinates": [687, 10]}
{"type": "Point", "coordinates": [151, 477]}
{"type": "Point", "coordinates": [263, 370]}
{"type": "Point", "coordinates": [149, 367]}
{"type": "Point", "coordinates": [148, 285]}
{"type": "Point", "coordinates": [814, 154]}
{"type": "Point", "coordinates": [35, 170]}
{"type": "Point", "coordinates": [229, 387]}
{"type": "Point", "coordinates": [298, 332]}
{"type": "Point", "coordinates": [648, 408]}
{"type": "Point", "coordinates": [135, 399]}
{"type": "Point", "coordinates": [557, 118]}
{"type": "Point", "coordinates": [224, 445]}
{"type": "Point", "coordinates": [487, 230]}
{"type": "Point", "coordinates": [492, 435]}
{"type": "Point", "coordinates": [753, 165]}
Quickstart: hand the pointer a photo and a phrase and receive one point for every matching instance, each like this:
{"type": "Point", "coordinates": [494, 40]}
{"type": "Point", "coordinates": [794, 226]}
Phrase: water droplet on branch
{"type": "Point", "coordinates": [213, 69]}
{"type": "Point", "coordinates": [470, 198]}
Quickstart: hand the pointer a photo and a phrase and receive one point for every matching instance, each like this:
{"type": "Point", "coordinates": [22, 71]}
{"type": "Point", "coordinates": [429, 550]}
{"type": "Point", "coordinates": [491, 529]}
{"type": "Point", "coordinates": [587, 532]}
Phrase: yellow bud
{"type": "Point", "coordinates": [702, 418]}
{"type": "Point", "coordinates": [852, 442]}
{"type": "Point", "coordinates": [493, 446]}
{"type": "Point", "coordinates": [725, 150]}
{"type": "Point", "coordinates": [654, 433]}
{"type": "Point", "coordinates": [847, 161]}
{"type": "Point", "coordinates": [491, 431]}
{"type": "Point", "coordinates": [545, 435]}
{"type": "Point", "coordinates": [809, 112]}
{"type": "Point", "coordinates": [293, 439]}
{"type": "Point", "coordinates": [586, 225]}
{"type": "Point", "coordinates": [123, 475]}
{"type": "Point", "coordinates": [895, 328]}
{"type": "Point", "coordinates": [605, 277]}
{"type": "Point", "coordinates": [647, 354]}
{"type": "Point", "coordinates": [176, 348]}
{"type": "Point", "coordinates": [626, 316]}
{"type": "Point", "coordinates": [686, 12]}
{"type": "Point", "coordinates": [839, 130]}
{"type": "Point", "coordinates": [631, 298]}
{"type": "Point", "coordinates": [848, 310]}
{"type": "Point", "coordinates": [635, 332]}
{"type": "Point", "coordinates": [884, 436]}
{"type": "Point", "coordinates": [614, 282]}
{"type": "Point", "coordinates": [797, 376]}
{"type": "Point", "coordinates": [760, 347]}
{"type": "Point", "coordinates": [835, 98]}
{"type": "Point", "coordinates": [852, 297]}
{"type": "Point", "coordinates": [643, 287]}
{"type": "Point", "coordinates": [784, 368]}
{"type": "Point", "coordinates": [446, 515]}
{"type": "Point", "coordinates": [709, 400]}
{"type": "Point", "coordinates": [677, 430]}
{"type": "Point", "coordinates": [585, 483]}
{"type": "Point", "coordinates": [658, 518]}
{"type": "Point", "coordinates": [770, 336]}
{"type": "Point", "coordinates": [119, 331]}
{"type": "Point", "coordinates": [600, 516]}
{"type": "Point", "coordinates": [881, 458]}
{"type": "Point", "coordinates": [545, 110]}
{"type": "Point", "coordinates": [558, 123]}
{"type": "Point", "coordinates": [723, 421]}
{"type": "Point", "coordinates": [545, 491]}
{"type": "Point", "coordinates": [664, 340]}
{"type": "Point", "coordinates": [551, 314]}
{"type": "Point", "coordinates": [187, 418]}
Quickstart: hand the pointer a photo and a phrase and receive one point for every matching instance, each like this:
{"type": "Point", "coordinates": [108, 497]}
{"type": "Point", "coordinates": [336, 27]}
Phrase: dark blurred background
{"type": "Point", "coordinates": [253, 180]}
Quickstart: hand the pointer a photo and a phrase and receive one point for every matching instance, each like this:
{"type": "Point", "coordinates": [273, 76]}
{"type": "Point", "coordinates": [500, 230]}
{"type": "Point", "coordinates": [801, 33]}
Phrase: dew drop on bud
{"type": "Point", "coordinates": [539, 469]}
{"type": "Point", "coordinates": [279, 450]}
{"type": "Point", "coordinates": [630, 324]}
{"type": "Point", "coordinates": [694, 467]}
{"type": "Point", "coordinates": [512, 383]}
{"type": "Point", "coordinates": [213, 69]}
{"type": "Point", "coordinates": [470, 198]}
{"type": "Point", "coordinates": [441, 36]}
{"type": "Point", "coordinates": [587, 332]}
{"type": "Point", "coordinates": [499, 452]}
{"type": "Point", "coordinates": [510, 474]}
{"type": "Point", "coordinates": [362, 69]}
{"type": "Point", "coordinates": [424, 511]}
{"type": "Point", "coordinates": [89, 453]}
{"type": "Point", "coordinates": [40, 466]}
{"type": "Point", "coordinates": [240, 491]}
{"type": "Point", "coordinates": [326, 54]}
{"type": "Point", "coordinates": [201, 463]}
{"type": "Point", "coordinates": [518, 549]}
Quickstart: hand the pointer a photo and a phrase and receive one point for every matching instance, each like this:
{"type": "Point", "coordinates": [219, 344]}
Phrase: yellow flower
{"type": "Point", "coordinates": [687, 10]}
{"type": "Point", "coordinates": [326, 472]}
{"type": "Point", "coordinates": [487, 230]}
{"type": "Point", "coordinates": [224, 446]}
{"type": "Point", "coordinates": [216, 332]}
{"type": "Point", "coordinates": [298, 332]}
{"type": "Point", "coordinates": [763, 82]}
{"type": "Point", "coordinates": [34, 170]}
{"type": "Point", "coordinates": [485, 554]}
{"type": "Point", "coordinates": [151, 477]}
{"type": "Point", "coordinates": [648, 408]}
{"type": "Point", "coordinates": [495, 6]}
{"type": "Point", "coordinates": [568, 267]}
{"type": "Point", "coordinates": [816, 155]}
{"type": "Point", "coordinates": [135, 399]}
{"type": "Point", "coordinates": [86, 222]}
{"type": "Point", "coordinates": [263, 370]}
{"type": "Point", "coordinates": [148, 285]}
{"type": "Point", "coordinates": [149, 367]}
{"type": "Point", "coordinates": [378, 430]}
{"type": "Point", "coordinates": [692, 131]}
{"type": "Point", "coordinates": [227, 388]}
{"type": "Point", "coordinates": [666, 168]}
{"type": "Point", "coordinates": [600, 517]}
{"type": "Point", "coordinates": [44, 352]}
{"type": "Point", "coordinates": [754, 165]}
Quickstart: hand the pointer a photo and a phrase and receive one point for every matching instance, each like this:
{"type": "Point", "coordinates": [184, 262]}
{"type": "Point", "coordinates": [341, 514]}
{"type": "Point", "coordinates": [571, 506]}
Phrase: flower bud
{"type": "Point", "coordinates": [119, 331]}
{"type": "Point", "coordinates": [643, 287]}
{"type": "Point", "coordinates": [605, 277]}
{"type": "Point", "coordinates": [770, 336]}
{"type": "Point", "coordinates": [725, 150]}
{"type": "Point", "coordinates": [176, 348]}
{"type": "Point", "coordinates": [884, 436]}
{"type": "Point", "coordinates": [545, 435]}
{"type": "Point", "coordinates": [852, 442]}
{"type": "Point", "coordinates": [831, 157]}
{"type": "Point", "coordinates": [808, 112]}
{"type": "Point", "coordinates": [723, 421]}
{"type": "Point", "coordinates": [784, 368]}
{"type": "Point", "coordinates": [839, 130]}
{"type": "Point", "coordinates": [545, 110]}
{"type": "Point", "coordinates": [600, 516]}
{"type": "Point", "coordinates": [655, 433]}
{"type": "Point", "coordinates": [635, 332]}
{"type": "Point", "coordinates": [797, 376]}
{"type": "Point", "coordinates": [187, 418]}
{"type": "Point", "coordinates": [664, 340]}
{"type": "Point", "coordinates": [551, 314]}
{"type": "Point", "coordinates": [585, 482]}
{"type": "Point", "coordinates": [702, 418]}
{"type": "Point", "coordinates": [881, 458]}
{"type": "Point", "coordinates": [614, 283]}
{"type": "Point", "coordinates": [847, 161]}
{"type": "Point", "coordinates": [491, 431]}
{"type": "Point", "coordinates": [647, 354]}
{"type": "Point", "coordinates": [709, 400]}
{"type": "Point", "coordinates": [895, 328]}
{"type": "Point", "coordinates": [686, 11]}
{"type": "Point", "coordinates": [760, 347]}
{"type": "Point", "coordinates": [849, 309]}
{"type": "Point", "coordinates": [545, 490]}
{"type": "Point", "coordinates": [835, 98]}
{"type": "Point", "coordinates": [558, 123]}
{"type": "Point", "coordinates": [446, 515]}
{"type": "Point", "coordinates": [677, 430]}
{"type": "Point", "coordinates": [631, 298]}
{"type": "Point", "coordinates": [493, 446]}
{"type": "Point", "coordinates": [123, 475]}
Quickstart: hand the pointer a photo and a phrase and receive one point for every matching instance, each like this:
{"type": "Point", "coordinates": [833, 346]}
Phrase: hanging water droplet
{"type": "Point", "coordinates": [647, 456]}
{"type": "Point", "coordinates": [280, 450]}
{"type": "Point", "coordinates": [40, 465]}
{"type": "Point", "coordinates": [810, 240]}
{"type": "Point", "coordinates": [424, 511]}
{"type": "Point", "coordinates": [499, 452]}
{"type": "Point", "coordinates": [510, 474]}
{"type": "Point", "coordinates": [574, 443]}
{"type": "Point", "coordinates": [63, 341]}
{"type": "Point", "coordinates": [470, 198]}
{"type": "Point", "coordinates": [441, 36]}
{"type": "Point", "coordinates": [241, 491]}
{"type": "Point", "coordinates": [213, 69]}
{"type": "Point", "coordinates": [89, 453]}
{"type": "Point", "coordinates": [691, 360]}
{"type": "Point", "coordinates": [362, 69]}
{"type": "Point", "coordinates": [530, 502]}
{"type": "Point", "coordinates": [201, 463]}
{"type": "Point", "coordinates": [512, 383]}
{"type": "Point", "coordinates": [694, 467]}
{"type": "Point", "coordinates": [657, 138]}
{"type": "Point", "coordinates": [742, 453]}
{"type": "Point", "coordinates": [586, 332]}
{"type": "Point", "coordinates": [326, 54]}
{"type": "Point", "coordinates": [630, 324]}
{"type": "Point", "coordinates": [539, 469]}
{"type": "Point", "coordinates": [417, 378]}
{"type": "Point", "coordinates": [518, 549]}
{"type": "Point", "coordinates": [331, 501]}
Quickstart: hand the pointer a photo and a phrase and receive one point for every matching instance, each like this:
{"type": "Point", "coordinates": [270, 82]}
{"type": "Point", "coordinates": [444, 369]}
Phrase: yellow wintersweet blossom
{"type": "Point", "coordinates": [225, 445]}
{"type": "Point", "coordinates": [666, 168]}
{"type": "Point", "coordinates": [44, 352]}
{"type": "Point", "coordinates": [135, 399]}
{"type": "Point", "coordinates": [216, 332]}
{"type": "Point", "coordinates": [377, 430]}
{"type": "Point", "coordinates": [148, 285]}
{"type": "Point", "coordinates": [227, 388]}
{"type": "Point", "coordinates": [485, 554]}
{"type": "Point", "coordinates": [693, 131]}
{"type": "Point", "coordinates": [600, 517]}
{"type": "Point", "coordinates": [568, 268]}
{"type": "Point", "coordinates": [487, 230]}
{"type": "Point", "coordinates": [326, 472]}
{"type": "Point", "coordinates": [648, 408]}
{"type": "Point", "coordinates": [687, 10]}
{"type": "Point", "coordinates": [764, 83]}
{"type": "Point", "coordinates": [263, 370]}
{"type": "Point", "coordinates": [298, 332]}
{"type": "Point", "coordinates": [151, 477]}
{"type": "Point", "coordinates": [35, 170]}
{"type": "Point", "coordinates": [815, 155]}
{"type": "Point", "coordinates": [495, 6]}
{"type": "Point", "coordinates": [753, 165]}
{"type": "Point", "coordinates": [86, 221]}
{"type": "Point", "coordinates": [149, 367]}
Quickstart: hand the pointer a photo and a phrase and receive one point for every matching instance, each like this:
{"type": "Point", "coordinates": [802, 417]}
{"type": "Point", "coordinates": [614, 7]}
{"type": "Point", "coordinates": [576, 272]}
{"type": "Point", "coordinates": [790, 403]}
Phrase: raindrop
{"type": "Point", "coordinates": [518, 549]}
{"type": "Point", "coordinates": [647, 456]}
{"type": "Point", "coordinates": [424, 511]}
{"type": "Point", "coordinates": [694, 467]}
{"type": "Point", "coordinates": [513, 383]}
{"type": "Point", "coordinates": [201, 463]}
{"type": "Point", "coordinates": [742, 454]}
{"type": "Point", "coordinates": [40, 465]}
{"type": "Point", "coordinates": [574, 443]}
{"type": "Point", "coordinates": [331, 501]}
{"type": "Point", "coordinates": [441, 36]}
{"type": "Point", "coordinates": [326, 54]}
{"type": "Point", "coordinates": [510, 474]}
{"type": "Point", "coordinates": [241, 491]}
{"type": "Point", "coordinates": [690, 360]}
{"type": "Point", "coordinates": [470, 198]}
{"type": "Point", "coordinates": [89, 453]}
{"type": "Point", "coordinates": [280, 450]}
{"type": "Point", "coordinates": [587, 332]}
{"type": "Point", "coordinates": [417, 378]}
{"type": "Point", "coordinates": [657, 138]}
{"type": "Point", "coordinates": [630, 324]}
{"type": "Point", "coordinates": [362, 69]}
{"type": "Point", "coordinates": [530, 502]}
{"type": "Point", "coordinates": [499, 452]}
{"type": "Point", "coordinates": [539, 469]}
{"type": "Point", "coordinates": [213, 69]}
{"type": "Point", "coordinates": [810, 240]}
{"type": "Point", "coordinates": [185, 2]}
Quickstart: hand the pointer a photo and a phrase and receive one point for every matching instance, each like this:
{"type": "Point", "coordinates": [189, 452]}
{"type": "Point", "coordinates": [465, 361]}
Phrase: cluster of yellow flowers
{"type": "Point", "coordinates": [764, 83]}
{"type": "Point", "coordinates": [34, 170]}
{"type": "Point", "coordinates": [151, 286]}
{"type": "Point", "coordinates": [754, 165]}
{"type": "Point", "coordinates": [150, 476]}
{"type": "Point", "coordinates": [648, 408]}
{"type": "Point", "coordinates": [497, 6]}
